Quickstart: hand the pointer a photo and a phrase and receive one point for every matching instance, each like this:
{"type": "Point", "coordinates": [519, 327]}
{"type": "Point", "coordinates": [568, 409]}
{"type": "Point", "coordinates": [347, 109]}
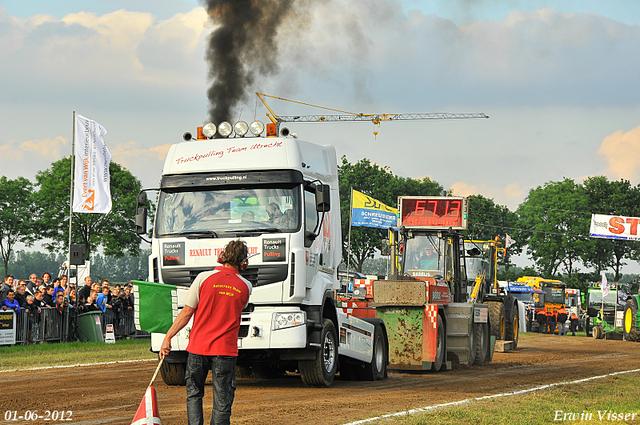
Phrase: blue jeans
{"type": "Point", "coordinates": [224, 387]}
{"type": "Point", "coordinates": [561, 328]}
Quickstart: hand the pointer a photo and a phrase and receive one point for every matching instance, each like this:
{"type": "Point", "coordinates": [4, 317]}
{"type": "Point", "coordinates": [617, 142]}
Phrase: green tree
{"type": "Point", "coordinates": [610, 198]}
{"type": "Point", "coordinates": [381, 184]}
{"type": "Point", "coordinates": [114, 232]}
{"type": "Point", "coordinates": [18, 213]}
{"type": "Point", "coordinates": [554, 220]}
{"type": "Point", "coordinates": [488, 220]}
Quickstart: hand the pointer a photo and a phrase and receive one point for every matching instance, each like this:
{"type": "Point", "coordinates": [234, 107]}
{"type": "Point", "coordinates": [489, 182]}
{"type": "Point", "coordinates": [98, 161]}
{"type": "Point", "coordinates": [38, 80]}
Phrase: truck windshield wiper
{"type": "Point", "coordinates": [198, 233]}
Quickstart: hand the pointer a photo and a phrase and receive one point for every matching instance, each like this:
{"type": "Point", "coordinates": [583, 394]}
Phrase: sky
{"type": "Point", "coordinates": [559, 80]}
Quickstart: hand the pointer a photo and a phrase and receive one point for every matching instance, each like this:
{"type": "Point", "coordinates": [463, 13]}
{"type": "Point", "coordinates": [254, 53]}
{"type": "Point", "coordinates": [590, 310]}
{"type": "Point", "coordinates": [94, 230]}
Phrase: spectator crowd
{"type": "Point", "coordinates": [30, 298]}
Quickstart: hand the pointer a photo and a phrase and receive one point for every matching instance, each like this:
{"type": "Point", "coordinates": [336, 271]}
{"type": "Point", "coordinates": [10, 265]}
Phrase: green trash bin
{"type": "Point", "coordinates": [90, 327]}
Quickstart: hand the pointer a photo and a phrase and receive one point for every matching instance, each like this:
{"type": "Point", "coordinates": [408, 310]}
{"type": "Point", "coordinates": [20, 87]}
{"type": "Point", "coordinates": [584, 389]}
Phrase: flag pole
{"type": "Point", "coordinates": [73, 149]}
{"type": "Point", "coordinates": [350, 220]}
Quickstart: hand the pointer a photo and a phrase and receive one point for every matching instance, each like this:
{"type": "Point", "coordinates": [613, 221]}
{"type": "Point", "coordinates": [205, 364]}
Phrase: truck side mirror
{"type": "Point", "coordinates": [141, 214]}
{"type": "Point", "coordinates": [323, 195]}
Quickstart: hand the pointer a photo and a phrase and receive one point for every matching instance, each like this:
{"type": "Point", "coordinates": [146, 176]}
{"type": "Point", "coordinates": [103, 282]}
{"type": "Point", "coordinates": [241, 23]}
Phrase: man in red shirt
{"type": "Point", "coordinates": [216, 300]}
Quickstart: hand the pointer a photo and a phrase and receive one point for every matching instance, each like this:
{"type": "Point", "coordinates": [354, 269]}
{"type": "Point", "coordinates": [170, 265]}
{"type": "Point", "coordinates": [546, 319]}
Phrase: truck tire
{"type": "Point", "coordinates": [173, 373]}
{"type": "Point", "coordinates": [629, 323]}
{"type": "Point", "coordinates": [482, 343]}
{"type": "Point", "coordinates": [321, 371]}
{"type": "Point", "coordinates": [511, 328]}
{"type": "Point", "coordinates": [377, 369]}
{"type": "Point", "coordinates": [497, 319]}
{"type": "Point", "coordinates": [440, 347]}
{"type": "Point", "coordinates": [472, 343]}
{"type": "Point", "coordinates": [597, 332]}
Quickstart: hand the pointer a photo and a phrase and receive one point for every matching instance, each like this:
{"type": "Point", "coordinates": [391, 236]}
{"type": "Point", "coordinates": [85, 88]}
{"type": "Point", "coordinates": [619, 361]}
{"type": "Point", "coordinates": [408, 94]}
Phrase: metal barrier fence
{"type": "Point", "coordinates": [50, 325]}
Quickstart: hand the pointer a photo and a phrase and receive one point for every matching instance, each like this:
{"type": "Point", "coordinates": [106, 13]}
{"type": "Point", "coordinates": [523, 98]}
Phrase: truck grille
{"type": "Point", "coordinates": [257, 275]}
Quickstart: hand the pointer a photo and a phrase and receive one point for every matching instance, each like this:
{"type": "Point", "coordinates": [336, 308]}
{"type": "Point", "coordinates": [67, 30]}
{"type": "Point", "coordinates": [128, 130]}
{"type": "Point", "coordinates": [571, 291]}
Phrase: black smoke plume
{"type": "Point", "coordinates": [241, 47]}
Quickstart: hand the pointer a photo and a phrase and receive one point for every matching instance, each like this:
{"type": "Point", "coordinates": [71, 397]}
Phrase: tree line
{"type": "Point", "coordinates": [551, 224]}
{"type": "Point", "coordinates": [39, 212]}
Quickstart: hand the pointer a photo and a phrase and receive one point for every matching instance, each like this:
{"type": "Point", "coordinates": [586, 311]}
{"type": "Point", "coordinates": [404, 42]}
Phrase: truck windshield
{"type": "Point", "coordinates": [595, 299]}
{"type": "Point", "coordinates": [424, 252]}
{"type": "Point", "coordinates": [212, 213]}
{"type": "Point", "coordinates": [555, 293]}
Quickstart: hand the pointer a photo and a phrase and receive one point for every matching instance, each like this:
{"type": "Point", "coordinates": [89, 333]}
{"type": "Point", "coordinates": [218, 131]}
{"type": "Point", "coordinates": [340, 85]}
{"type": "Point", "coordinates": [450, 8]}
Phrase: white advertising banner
{"type": "Point", "coordinates": [614, 227]}
{"type": "Point", "coordinates": [92, 189]}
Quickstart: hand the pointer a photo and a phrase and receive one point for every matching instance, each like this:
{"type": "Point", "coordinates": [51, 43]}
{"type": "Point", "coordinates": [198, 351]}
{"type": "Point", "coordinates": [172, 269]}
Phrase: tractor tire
{"type": "Point", "coordinates": [629, 322]}
{"type": "Point", "coordinates": [497, 319]}
{"type": "Point", "coordinates": [597, 332]}
{"type": "Point", "coordinates": [472, 343]}
{"type": "Point", "coordinates": [173, 373]}
{"type": "Point", "coordinates": [440, 348]}
{"type": "Point", "coordinates": [511, 328]}
{"type": "Point", "coordinates": [482, 343]}
{"type": "Point", "coordinates": [377, 369]}
{"type": "Point", "coordinates": [321, 371]}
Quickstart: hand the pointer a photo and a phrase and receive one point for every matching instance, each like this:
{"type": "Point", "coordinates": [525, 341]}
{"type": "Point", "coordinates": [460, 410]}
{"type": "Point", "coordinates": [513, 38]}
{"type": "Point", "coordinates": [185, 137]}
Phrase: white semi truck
{"type": "Point", "coordinates": [280, 195]}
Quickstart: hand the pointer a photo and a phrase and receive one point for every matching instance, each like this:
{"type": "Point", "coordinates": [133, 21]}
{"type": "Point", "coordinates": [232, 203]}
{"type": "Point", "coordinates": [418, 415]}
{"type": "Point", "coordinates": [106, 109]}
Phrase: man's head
{"type": "Point", "coordinates": [11, 295]}
{"type": "Point", "coordinates": [33, 278]}
{"type": "Point", "coordinates": [273, 211]}
{"type": "Point", "coordinates": [235, 254]}
{"type": "Point", "coordinates": [50, 290]}
{"type": "Point", "coordinates": [105, 283]}
{"type": "Point", "coordinates": [38, 294]}
{"type": "Point", "coordinates": [60, 298]}
{"type": "Point", "coordinates": [106, 290]}
{"type": "Point", "coordinates": [9, 280]}
{"type": "Point", "coordinates": [87, 280]}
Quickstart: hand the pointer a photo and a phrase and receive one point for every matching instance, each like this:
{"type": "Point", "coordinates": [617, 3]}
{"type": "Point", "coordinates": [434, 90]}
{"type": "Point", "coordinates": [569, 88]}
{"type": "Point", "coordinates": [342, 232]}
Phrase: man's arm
{"type": "Point", "coordinates": [181, 321]}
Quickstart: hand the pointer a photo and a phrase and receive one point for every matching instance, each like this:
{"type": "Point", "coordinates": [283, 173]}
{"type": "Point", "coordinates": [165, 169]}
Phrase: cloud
{"type": "Point", "coordinates": [24, 159]}
{"type": "Point", "coordinates": [621, 151]}
{"type": "Point", "coordinates": [511, 195]}
{"type": "Point", "coordinates": [143, 162]}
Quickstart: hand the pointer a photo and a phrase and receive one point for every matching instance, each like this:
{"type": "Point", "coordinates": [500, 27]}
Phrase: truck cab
{"type": "Point", "coordinates": [280, 196]}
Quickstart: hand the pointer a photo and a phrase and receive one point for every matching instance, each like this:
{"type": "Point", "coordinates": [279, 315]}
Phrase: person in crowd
{"type": "Point", "coordinates": [46, 279]}
{"type": "Point", "coordinates": [32, 285]}
{"type": "Point", "coordinates": [61, 303]}
{"type": "Point", "coordinates": [7, 286]}
{"type": "Point", "coordinates": [552, 320]}
{"type": "Point", "coordinates": [562, 318]}
{"type": "Point", "coordinates": [118, 289]}
{"type": "Point", "coordinates": [103, 299]}
{"type": "Point", "coordinates": [85, 291]}
{"type": "Point", "coordinates": [541, 318]}
{"type": "Point", "coordinates": [214, 334]}
{"type": "Point", "coordinates": [90, 303]}
{"type": "Point", "coordinates": [32, 313]}
{"type": "Point", "coordinates": [129, 297]}
{"type": "Point", "coordinates": [48, 296]}
{"type": "Point", "coordinates": [71, 298]}
{"type": "Point", "coordinates": [10, 302]}
{"type": "Point", "coordinates": [61, 287]}
{"type": "Point", "coordinates": [38, 300]}
{"type": "Point", "coordinates": [574, 323]}
{"type": "Point", "coordinates": [21, 294]}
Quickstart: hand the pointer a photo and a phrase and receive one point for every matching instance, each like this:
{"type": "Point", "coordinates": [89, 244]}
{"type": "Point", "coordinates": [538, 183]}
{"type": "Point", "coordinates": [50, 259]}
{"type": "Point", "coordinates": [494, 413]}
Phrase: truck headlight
{"type": "Point", "coordinates": [288, 320]}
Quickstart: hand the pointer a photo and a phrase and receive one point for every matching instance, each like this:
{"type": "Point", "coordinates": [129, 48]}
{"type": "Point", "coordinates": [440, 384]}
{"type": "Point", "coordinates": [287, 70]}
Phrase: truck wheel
{"type": "Point", "coordinates": [377, 369]}
{"type": "Point", "coordinates": [496, 318]}
{"type": "Point", "coordinates": [629, 329]}
{"type": "Point", "coordinates": [482, 343]}
{"type": "Point", "coordinates": [173, 373]}
{"type": "Point", "coordinates": [437, 364]}
{"type": "Point", "coordinates": [597, 332]}
{"type": "Point", "coordinates": [472, 343]}
{"type": "Point", "coordinates": [321, 371]}
{"type": "Point", "coordinates": [511, 328]}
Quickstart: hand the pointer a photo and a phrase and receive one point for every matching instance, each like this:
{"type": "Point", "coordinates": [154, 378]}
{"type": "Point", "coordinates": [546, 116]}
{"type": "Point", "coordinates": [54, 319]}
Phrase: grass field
{"type": "Point", "coordinates": [45, 355]}
{"type": "Point", "coordinates": [608, 400]}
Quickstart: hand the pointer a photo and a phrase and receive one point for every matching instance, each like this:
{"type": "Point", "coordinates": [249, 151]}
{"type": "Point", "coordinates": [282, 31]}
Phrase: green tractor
{"type": "Point", "coordinates": [613, 312]}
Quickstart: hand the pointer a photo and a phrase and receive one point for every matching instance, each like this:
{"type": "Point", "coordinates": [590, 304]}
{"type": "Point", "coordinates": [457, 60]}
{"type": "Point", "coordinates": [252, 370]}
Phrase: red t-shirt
{"type": "Point", "coordinates": [218, 297]}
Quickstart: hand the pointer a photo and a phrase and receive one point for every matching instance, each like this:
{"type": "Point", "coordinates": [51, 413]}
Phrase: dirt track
{"type": "Point", "coordinates": [111, 393]}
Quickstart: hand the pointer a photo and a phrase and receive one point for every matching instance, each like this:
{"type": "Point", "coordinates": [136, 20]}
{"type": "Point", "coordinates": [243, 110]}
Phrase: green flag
{"type": "Point", "coordinates": [156, 306]}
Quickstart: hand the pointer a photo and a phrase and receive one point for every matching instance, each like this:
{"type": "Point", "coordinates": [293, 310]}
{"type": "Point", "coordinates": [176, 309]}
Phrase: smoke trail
{"type": "Point", "coordinates": [241, 47]}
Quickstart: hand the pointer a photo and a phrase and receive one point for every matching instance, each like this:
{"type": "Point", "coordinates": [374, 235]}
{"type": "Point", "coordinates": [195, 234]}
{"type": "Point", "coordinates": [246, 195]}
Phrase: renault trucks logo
{"type": "Point", "coordinates": [173, 254]}
{"type": "Point", "coordinates": [274, 250]}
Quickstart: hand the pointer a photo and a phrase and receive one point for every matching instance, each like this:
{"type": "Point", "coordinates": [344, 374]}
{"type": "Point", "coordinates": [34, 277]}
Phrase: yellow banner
{"type": "Point", "coordinates": [360, 200]}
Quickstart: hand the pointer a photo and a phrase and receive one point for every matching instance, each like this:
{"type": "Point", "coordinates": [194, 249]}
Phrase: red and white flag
{"type": "Point", "coordinates": [147, 413]}
{"type": "Point", "coordinates": [509, 242]}
{"type": "Point", "coordinates": [92, 187]}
